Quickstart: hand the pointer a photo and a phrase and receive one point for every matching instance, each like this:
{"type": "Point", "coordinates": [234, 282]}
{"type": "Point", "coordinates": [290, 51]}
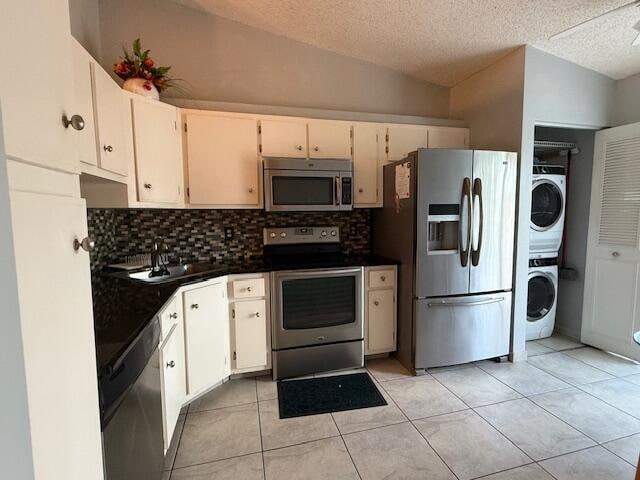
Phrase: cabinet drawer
{"type": "Point", "coordinates": [381, 278]}
{"type": "Point", "coordinates": [169, 316]}
{"type": "Point", "coordinates": [253, 287]}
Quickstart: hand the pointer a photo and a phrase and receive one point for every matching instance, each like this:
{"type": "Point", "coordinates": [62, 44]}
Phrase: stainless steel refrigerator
{"type": "Point", "coordinates": [449, 219]}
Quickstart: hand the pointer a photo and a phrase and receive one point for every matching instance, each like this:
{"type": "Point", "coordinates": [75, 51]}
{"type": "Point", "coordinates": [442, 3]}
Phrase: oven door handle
{"type": "Point", "coordinates": [321, 272]}
{"type": "Point", "coordinates": [338, 190]}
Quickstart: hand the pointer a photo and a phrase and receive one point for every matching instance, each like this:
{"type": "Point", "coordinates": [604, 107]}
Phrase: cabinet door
{"type": "Point", "coordinates": [207, 337]}
{"type": "Point", "coordinates": [173, 368]}
{"type": "Point", "coordinates": [329, 140]}
{"type": "Point", "coordinates": [448, 137]}
{"type": "Point", "coordinates": [283, 139]}
{"type": "Point", "coordinates": [250, 334]}
{"type": "Point", "coordinates": [157, 151]}
{"type": "Point", "coordinates": [381, 321]}
{"type": "Point", "coordinates": [56, 319]}
{"type": "Point", "coordinates": [366, 167]}
{"type": "Point", "coordinates": [222, 155]}
{"type": "Point", "coordinates": [83, 103]}
{"type": "Point", "coordinates": [36, 87]}
{"type": "Point", "coordinates": [404, 139]}
{"type": "Point", "coordinates": [111, 118]}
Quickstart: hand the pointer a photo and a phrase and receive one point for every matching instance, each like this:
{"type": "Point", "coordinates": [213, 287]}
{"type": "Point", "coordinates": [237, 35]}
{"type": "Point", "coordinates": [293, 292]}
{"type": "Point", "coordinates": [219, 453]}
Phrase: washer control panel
{"type": "Point", "coordinates": [294, 235]}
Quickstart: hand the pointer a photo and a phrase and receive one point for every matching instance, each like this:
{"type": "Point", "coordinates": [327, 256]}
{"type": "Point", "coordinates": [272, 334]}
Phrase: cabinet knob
{"type": "Point", "coordinates": [171, 364]}
{"type": "Point", "coordinates": [250, 189]}
{"type": "Point", "coordinates": [361, 190]}
{"type": "Point", "coordinates": [107, 148]}
{"type": "Point", "coordinates": [87, 244]}
{"type": "Point", "coordinates": [376, 303]}
{"type": "Point", "coordinates": [316, 148]}
{"type": "Point", "coordinates": [299, 147]}
{"type": "Point", "coordinates": [147, 186]}
{"type": "Point", "coordinates": [173, 315]}
{"type": "Point", "coordinates": [76, 121]}
{"type": "Point", "coordinates": [195, 306]}
{"type": "Point", "coordinates": [382, 278]}
{"type": "Point", "coordinates": [615, 254]}
{"type": "Point", "coordinates": [248, 289]}
{"type": "Point", "coordinates": [258, 314]}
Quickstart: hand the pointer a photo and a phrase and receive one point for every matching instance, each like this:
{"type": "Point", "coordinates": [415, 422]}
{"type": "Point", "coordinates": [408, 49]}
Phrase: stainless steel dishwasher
{"type": "Point", "coordinates": [132, 411]}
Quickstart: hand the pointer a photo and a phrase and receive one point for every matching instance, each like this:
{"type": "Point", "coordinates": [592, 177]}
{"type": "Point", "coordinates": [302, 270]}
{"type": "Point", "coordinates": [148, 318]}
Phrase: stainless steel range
{"type": "Point", "coordinates": [316, 302]}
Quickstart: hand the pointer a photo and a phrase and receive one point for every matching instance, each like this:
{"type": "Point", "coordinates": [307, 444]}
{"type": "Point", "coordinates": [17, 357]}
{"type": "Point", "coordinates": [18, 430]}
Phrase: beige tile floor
{"type": "Point", "coordinates": [569, 412]}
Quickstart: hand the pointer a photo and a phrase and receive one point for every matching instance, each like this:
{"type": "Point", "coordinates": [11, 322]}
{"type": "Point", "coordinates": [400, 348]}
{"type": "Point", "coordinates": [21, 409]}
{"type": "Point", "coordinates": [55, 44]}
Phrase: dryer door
{"type": "Point", "coordinates": [541, 296]}
{"type": "Point", "coordinates": [546, 205]}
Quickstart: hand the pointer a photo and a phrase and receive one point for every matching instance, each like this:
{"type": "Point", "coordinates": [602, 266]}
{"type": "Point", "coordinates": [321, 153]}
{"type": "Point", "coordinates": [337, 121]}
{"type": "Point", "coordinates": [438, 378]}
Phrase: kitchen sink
{"type": "Point", "coordinates": [174, 272]}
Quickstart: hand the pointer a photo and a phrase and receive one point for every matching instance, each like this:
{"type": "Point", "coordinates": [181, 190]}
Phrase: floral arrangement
{"type": "Point", "coordinates": [140, 65]}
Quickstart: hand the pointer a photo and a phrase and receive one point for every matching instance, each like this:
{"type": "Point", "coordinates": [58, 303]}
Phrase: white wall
{"type": "Point", "coordinates": [15, 437]}
{"type": "Point", "coordinates": [626, 105]}
{"type": "Point", "coordinates": [491, 103]}
{"type": "Point", "coordinates": [85, 25]}
{"type": "Point", "coordinates": [226, 61]}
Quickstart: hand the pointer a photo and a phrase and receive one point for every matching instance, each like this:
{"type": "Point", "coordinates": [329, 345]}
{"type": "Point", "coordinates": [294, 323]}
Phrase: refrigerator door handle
{"type": "Point", "coordinates": [465, 304]}
{"type": "Point", "coordinates": [475, 251]}
{"type": "Point", "coordinates": [464, 235]}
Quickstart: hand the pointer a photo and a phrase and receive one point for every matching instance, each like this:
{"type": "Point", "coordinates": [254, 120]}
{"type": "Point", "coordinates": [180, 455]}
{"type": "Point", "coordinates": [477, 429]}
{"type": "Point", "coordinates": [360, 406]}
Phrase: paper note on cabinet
{"type": "Point", "coordinates": [403, 180]}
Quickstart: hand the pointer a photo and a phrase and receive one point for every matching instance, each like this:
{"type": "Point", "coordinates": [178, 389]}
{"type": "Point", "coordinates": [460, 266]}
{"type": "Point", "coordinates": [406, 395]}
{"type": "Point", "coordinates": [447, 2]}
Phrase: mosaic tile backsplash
{"type": "Point", "coordinates": [198, 235]}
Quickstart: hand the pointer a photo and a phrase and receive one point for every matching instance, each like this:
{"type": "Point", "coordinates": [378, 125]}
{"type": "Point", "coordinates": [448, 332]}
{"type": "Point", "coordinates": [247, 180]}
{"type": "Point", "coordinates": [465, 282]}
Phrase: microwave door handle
{"type": "Point", "coordinates": [338, 190]}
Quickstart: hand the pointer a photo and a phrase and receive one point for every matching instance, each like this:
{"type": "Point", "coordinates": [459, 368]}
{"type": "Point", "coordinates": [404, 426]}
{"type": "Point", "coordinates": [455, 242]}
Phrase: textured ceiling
{"type": "Point", "coordinates": [445, 41]}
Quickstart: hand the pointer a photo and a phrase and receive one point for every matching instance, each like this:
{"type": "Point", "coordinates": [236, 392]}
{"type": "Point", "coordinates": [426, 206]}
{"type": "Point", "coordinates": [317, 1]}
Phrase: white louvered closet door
{"type": "Point", "coordinates": [611, 306]}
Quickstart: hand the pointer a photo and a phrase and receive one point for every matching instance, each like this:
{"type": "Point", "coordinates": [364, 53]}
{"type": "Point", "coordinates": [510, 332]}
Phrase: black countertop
{"type": "Point", "coordinates": [123, 307]}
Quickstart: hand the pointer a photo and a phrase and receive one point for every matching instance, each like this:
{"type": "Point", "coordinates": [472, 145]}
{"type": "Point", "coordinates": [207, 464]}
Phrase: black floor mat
{"type": "Point", "coordinates": [297, 398]}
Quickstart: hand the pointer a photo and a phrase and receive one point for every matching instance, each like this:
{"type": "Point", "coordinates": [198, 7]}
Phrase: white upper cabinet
{"type": "Point", "coordinates": [157, 151]}
{"type": "Point", "coordinates": [367, 167]}
{"type": "Point", "coordinates": [111, 118]}
{"type": "Point", "coordinates": [448, 137]}
{"type": "Point", "coordinates": [36, 85]}
{"type": "Point", "coordinates": [329, 140]}
{"type": "Point", "coordinates": [223, 161]}
{"type": "Point", "coordinates": [404, 139]}
{"type": "Point", "coordinates": [284, 138]}
{"type": "Point", "coordinates": [83, 103]}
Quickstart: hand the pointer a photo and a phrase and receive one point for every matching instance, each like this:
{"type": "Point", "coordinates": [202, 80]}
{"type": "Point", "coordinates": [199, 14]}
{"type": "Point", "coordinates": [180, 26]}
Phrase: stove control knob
{"type": "Point", "coordinates": [333, 233]}
{"type": "Point", "coordinates": [272, 234]}
{"type": "Point", "coordinates": [283, 234]}
{"type": "Point", "coordinates": [323, 233]}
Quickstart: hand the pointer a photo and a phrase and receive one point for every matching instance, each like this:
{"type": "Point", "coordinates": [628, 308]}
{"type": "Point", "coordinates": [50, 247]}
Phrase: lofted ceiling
{"type": "Point", "coordinates": [446, 41]}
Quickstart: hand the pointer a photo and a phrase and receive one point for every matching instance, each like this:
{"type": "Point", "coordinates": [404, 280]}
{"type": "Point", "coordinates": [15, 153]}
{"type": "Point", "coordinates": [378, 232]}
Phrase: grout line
{"type": "Point", "coordinates": [434, 450]}
{"type": "Point", "coordinates": [214, 461]}
{"type": "Point", "coordinates": [603, 445]}
{"type": "Point", "coordinates": [179, 440]}
{"type": "Point", "coordinates": [264, 470]}
{"type": "Point", "coordinates": [602, 400]}
{"type": "Point", "coordinates": [345, 446]}
{"type": "Point", "coordinates": [505, 470]}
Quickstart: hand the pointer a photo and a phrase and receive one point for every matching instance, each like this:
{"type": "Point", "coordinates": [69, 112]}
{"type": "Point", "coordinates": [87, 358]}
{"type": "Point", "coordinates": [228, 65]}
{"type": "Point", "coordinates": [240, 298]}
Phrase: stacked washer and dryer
{"type": "Point", "coordinates": [548, 199]}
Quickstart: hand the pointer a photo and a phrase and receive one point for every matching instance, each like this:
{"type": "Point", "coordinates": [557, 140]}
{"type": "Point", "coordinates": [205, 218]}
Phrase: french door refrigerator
{"type": "Point", "coordinates": [449, 219]}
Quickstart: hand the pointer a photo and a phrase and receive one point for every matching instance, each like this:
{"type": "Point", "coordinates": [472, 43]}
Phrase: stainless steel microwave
{"type": "Point", "coordinates": [296, 184]}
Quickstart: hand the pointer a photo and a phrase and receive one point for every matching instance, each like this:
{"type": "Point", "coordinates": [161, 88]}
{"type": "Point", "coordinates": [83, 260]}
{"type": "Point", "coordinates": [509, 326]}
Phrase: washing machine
{"type": "Point", "coordinates": [542, 297]}
{"type": "Point", "coordinates": [548, 198]}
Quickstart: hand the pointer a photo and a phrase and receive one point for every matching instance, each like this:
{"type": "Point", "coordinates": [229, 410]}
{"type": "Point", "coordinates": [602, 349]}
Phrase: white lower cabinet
{"type": "Point", "coordinates": [380, 309]}
{"type": "Point", "coordinates": [206, 324]}
{"type": "Point", "coordinates": [250, 339]}
{"type": "Point", "coordinates": [173, 368]}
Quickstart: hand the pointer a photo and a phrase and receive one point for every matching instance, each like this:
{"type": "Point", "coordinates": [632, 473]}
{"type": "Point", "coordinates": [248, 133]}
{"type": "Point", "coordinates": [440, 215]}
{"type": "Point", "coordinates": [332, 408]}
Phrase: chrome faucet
{"type": "Point", "coordinates": [158, 267]}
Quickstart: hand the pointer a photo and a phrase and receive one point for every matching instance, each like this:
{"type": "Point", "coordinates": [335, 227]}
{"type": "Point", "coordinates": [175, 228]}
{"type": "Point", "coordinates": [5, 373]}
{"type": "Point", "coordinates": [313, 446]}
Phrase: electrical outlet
{"type": "Point", "coordinates": [228, 233]}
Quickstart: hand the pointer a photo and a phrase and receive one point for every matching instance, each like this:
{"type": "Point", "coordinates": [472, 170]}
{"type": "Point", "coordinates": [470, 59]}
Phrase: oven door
{"type": "Point", "coordinates": [316, 307]}
{"type": "Point", "coordinates": [306, 190]}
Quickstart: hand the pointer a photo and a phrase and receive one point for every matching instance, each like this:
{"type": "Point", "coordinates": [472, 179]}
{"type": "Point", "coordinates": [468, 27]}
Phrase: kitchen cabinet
{"type": "Point", "coordinates": [448, 137]}
{"type": "Point", "coordinates": [83, 104]}
{"type": "Point", "coordinates": [223, 161]}
{"type": "Point", "coordinates": [36, 88]}
{"type": "Point", "coordinates": [380, 309]}
{"type": "Point", "coordinates": [157, 152]}
{"type": "Point", "coordinates": [283, 138]}
{"type": "Point", "coordinates": [367, 164]}
{"type": "Point", "coordinates": [329, 139]}
{"type": "Point", "coordinates": [173, 377]}
{"type": "Point", "coordinates": [249, 323]}
{"type": "Point", "coordinates": [206, 329]}
{"type": "Point", "coordinates": [403, 139]}
{"type": "Point", "coordinates": [54, 322]}
{"type": "Point", "coordinates": [111, 117]}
